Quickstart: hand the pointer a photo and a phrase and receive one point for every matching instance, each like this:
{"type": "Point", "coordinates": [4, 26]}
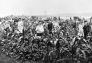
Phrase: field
{"type": "Point", "coordinates": [37, 39]}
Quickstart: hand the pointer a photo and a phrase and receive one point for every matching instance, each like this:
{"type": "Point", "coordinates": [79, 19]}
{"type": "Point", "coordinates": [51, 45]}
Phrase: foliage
{"type": "Point", "coordinates": [26, 46]}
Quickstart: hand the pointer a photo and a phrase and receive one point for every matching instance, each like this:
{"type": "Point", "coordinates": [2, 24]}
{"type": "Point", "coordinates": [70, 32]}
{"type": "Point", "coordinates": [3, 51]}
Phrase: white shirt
{"type": "Point", "coordinates": [20, 26]}
{"type": "Point", "coordinates": [40, 29]}
{"type": "Point", "coordinates": [80, 33]}
{"type": "Point", "coordinates": [56, 26]}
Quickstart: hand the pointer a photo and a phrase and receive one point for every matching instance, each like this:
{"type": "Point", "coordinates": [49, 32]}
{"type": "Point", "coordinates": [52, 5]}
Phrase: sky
{"type": "Point", "coordinates": [45, 7]}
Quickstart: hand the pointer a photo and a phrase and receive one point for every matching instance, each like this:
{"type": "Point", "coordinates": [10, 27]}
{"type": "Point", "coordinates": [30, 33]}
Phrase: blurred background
{"type": "Point", "coordinates": [46, 7]}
